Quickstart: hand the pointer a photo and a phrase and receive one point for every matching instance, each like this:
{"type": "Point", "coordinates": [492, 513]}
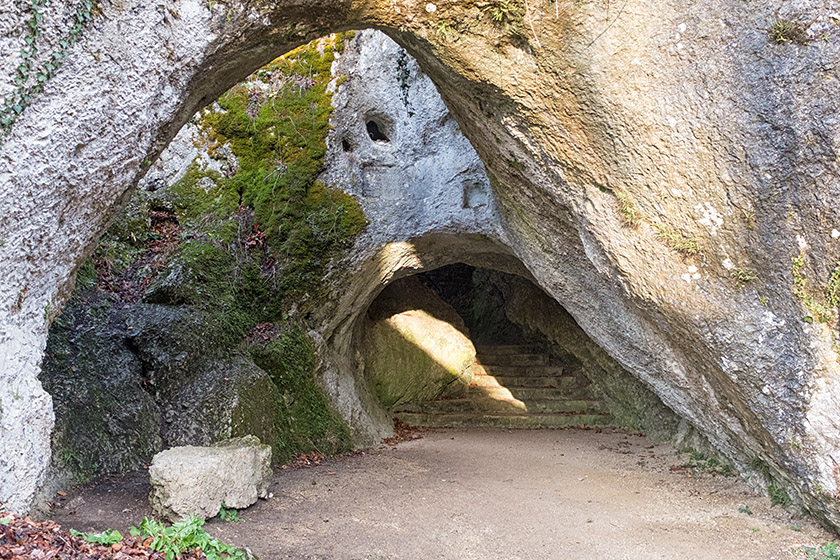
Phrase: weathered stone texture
{"type": "Point", "coordinates": [197, 480]}
{"type": "Point", "coordinates": [415, 345]}
{"type": "Point", "coordinates": [129, 380]}
{"type": "Point", "coordinates": [681, 116]}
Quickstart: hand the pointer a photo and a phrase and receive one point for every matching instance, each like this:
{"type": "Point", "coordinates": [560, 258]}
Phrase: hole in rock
{"type": "Point", "coordinates": [375, 132]}
{"type": "Point", "coordinates": [345, 145]}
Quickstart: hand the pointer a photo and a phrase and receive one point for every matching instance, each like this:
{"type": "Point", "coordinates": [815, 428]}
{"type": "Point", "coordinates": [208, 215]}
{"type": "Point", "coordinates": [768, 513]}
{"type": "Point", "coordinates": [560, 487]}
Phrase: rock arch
{"type": "Point", "coordinates": [642, 174]}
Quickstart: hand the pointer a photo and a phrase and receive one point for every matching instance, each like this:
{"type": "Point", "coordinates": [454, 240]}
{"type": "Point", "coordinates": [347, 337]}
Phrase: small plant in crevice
{"type": "Point", "coordinates": [228, 514]}
{"type": "Point", "coordinates": [760, 466]}
{"type": "Point", "coordinates": [778, 495]}
{"type": "Point", "coordinates": [629, 213]}
{"type": "Point", "coordinates": [700, 463]}
{"type": "Point", "coordinates": [749, 218]}
{"type": "Point", "coordinates": [633, 217]}
{"type": "Point", "coordinates": [505, 14]}
{"type": "Point", "coordinates": [686, 246]}
{"type": "Point", "coordinates": [824, 311]}
{"type": "Point", "coordinates": [832, 289]}
{"type": "Point", "coordinates": [742, 276]}
{"type": "Point", "coordinates": [31, 74]}
{"type": "Point", "coordinates": [444, 30]}
{"type": "Point", "coordinates": [789, 31]}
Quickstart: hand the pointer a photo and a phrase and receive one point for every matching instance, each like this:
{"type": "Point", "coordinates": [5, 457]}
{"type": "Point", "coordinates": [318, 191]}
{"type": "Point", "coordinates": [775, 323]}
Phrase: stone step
{"type": "Point", "coordinates": [504, 420]}
{"type": "Point", "coordinates": [466, 406]}
{"type": "Point", "coordinates": [512, 359]}
{"type": "Point", "coordinates": [566, 382]}
{"type": "Point", "coordinates": [506, 349]}
{"type": "Point", "coordinates": [535, 370]}
{"type": "Point", "coordinates": [513, 381]}
{"type": "Point", "coordinates": [520, 393]}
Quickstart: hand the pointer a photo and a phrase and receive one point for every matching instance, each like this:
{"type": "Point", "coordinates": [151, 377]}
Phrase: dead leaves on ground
{"type": "Point", "coordinates": [21, 538]}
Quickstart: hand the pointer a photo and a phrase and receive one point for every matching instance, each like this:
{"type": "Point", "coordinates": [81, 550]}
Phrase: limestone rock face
{"type": "Point", "coordinates": [196, 480]}
{"type": "Point", "coordinates": [425, 176]}
{"type": "Point", "coordinates": [131, 380]}
{"type": "Point", "coordinates": [416, 345]}
{"type": "Point", "coordinates": [668, 174]}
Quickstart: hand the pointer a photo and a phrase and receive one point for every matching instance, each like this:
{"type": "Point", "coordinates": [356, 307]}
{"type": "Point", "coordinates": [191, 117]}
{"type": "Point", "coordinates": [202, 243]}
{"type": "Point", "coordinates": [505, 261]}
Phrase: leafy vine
{"type": "Point", "coordinates": [30, 75]}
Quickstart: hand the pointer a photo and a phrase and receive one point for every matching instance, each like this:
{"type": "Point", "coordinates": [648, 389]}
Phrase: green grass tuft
{"type": "Point", "coordinates": [789, 31]}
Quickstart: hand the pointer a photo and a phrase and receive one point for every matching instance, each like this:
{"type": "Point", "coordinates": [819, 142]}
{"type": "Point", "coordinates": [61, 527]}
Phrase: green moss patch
{"type": "Point", "coordinates": [226, 251]}
{"type": "Point", "coordinates": [305, 421]}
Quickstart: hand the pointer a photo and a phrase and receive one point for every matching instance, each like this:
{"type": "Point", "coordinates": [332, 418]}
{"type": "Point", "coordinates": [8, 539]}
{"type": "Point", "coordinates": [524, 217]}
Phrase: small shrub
{"type": "Point", "coordinates": [787, 31]}
{"type": "Point", "coordinates": [778, 496]}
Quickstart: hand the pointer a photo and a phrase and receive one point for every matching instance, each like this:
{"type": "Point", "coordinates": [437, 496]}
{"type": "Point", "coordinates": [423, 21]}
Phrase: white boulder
{"type": "Point", "coordinates": [196, 480]}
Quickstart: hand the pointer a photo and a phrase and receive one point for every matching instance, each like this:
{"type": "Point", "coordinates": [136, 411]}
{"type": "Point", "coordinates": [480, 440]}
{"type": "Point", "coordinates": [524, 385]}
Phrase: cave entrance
{"type": "Point", "coordinates": [446, 348]}
{"type": "Point", "coordinates": [228, 296]}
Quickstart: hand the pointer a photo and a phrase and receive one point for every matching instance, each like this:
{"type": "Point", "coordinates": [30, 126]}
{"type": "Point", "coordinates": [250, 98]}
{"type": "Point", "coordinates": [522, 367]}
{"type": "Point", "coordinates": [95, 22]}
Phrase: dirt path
{"type": "Point", "coordinates": [492, 494]}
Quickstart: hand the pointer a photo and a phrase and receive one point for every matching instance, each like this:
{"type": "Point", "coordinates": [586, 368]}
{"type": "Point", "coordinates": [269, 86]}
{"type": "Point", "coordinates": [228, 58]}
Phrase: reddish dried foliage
{"type": "Point", "coordinates": [24, 539]}
{"type": "Point", "coordinates": [307, 460]}
{"type": "Point", "coordinates": [164, 236]}
{"type": "Point", "coordinates": [402, 432]}
{"type": "Point", "coordinates": [263, 332]}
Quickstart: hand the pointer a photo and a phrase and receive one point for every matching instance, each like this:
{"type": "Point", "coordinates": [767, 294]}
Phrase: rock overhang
{"type": "Point", "coordinates": [556, 157]}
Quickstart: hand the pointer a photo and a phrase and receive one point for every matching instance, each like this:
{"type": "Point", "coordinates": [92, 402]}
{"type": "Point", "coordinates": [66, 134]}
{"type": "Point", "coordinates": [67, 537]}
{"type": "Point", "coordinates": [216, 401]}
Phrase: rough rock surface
{"type": "Point", "coordinates": [196, 480]}
{"type": "Point", "coordinates": [657, 169]}
{"type": "Point", "coordinates": [131, 380]}
{"type": "Point", "coordinates": [629, 402]}
{"type": "Point", "coordinates": [416, 345]}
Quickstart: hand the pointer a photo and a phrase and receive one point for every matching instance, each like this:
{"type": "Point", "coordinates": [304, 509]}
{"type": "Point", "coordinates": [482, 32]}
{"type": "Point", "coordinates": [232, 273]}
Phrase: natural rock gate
{"type": "Point", "coordinates": [672, 159]}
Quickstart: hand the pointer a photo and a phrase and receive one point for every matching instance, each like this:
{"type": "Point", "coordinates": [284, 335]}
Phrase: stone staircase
{"type": "Point", "coordinates": [513, 386]}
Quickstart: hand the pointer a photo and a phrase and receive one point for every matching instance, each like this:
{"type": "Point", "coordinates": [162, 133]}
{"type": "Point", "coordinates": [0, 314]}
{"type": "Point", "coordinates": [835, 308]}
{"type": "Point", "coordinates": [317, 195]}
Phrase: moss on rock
{"type": "Point", "coordinates": [242, 248]}
{"type": "Point", "coordinates": [416, 345]}
{"type": "Point", "coordinates": [305, 421]}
